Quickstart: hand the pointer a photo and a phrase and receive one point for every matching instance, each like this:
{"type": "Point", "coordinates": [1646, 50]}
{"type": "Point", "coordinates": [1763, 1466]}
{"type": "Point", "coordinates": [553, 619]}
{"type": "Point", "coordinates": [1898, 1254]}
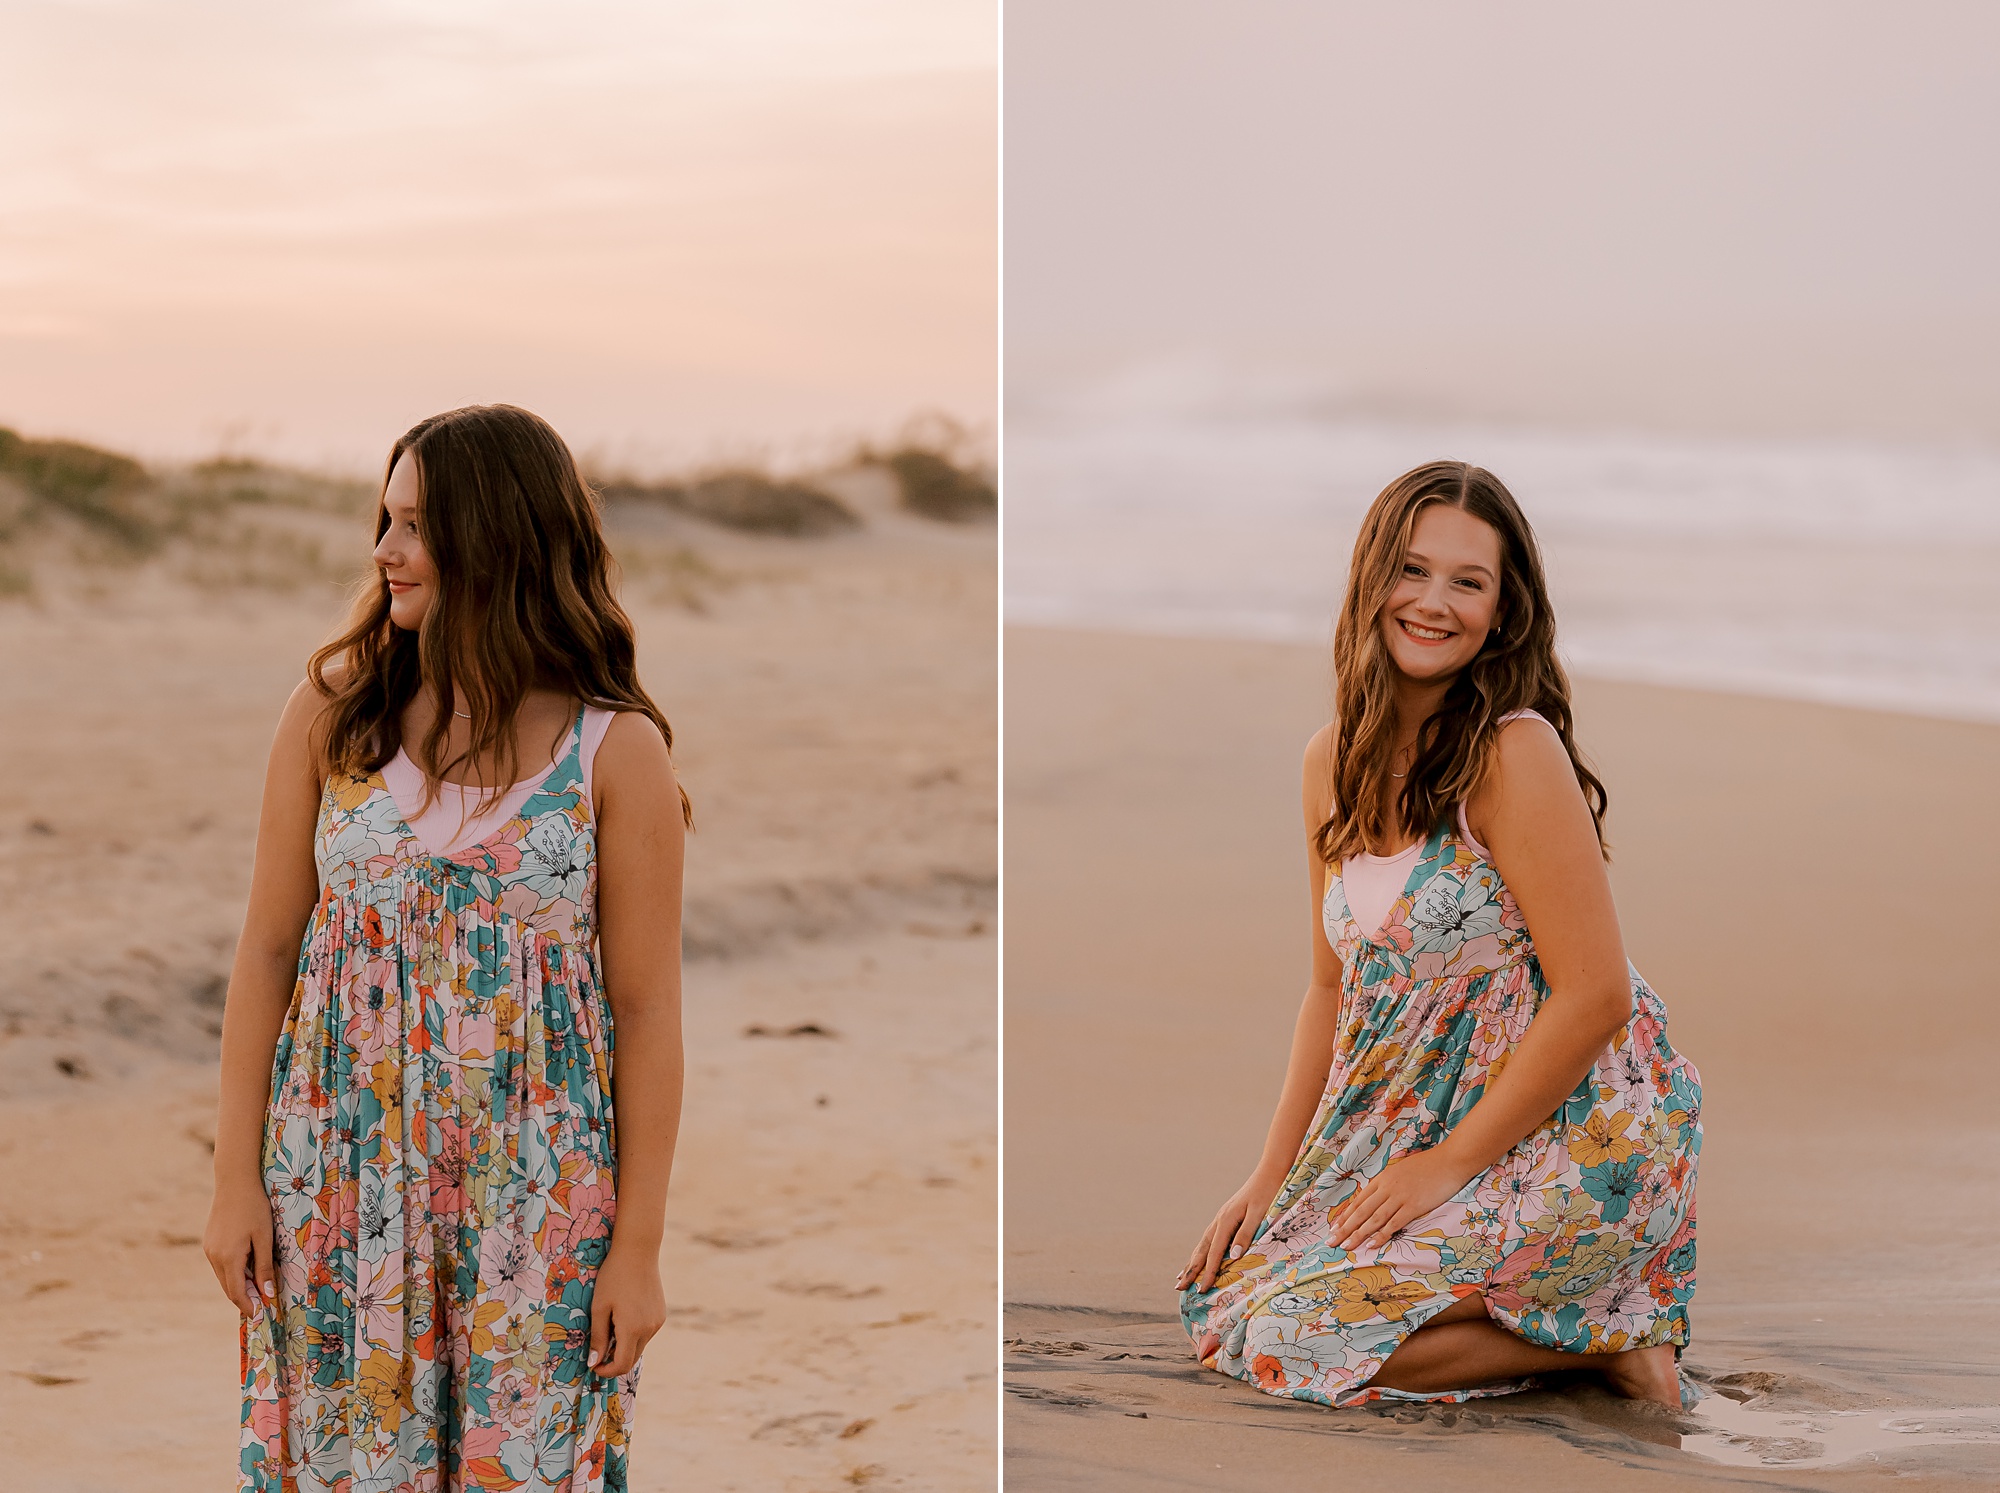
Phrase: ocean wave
{"type": "Point", "coordinates": [1844, 572]}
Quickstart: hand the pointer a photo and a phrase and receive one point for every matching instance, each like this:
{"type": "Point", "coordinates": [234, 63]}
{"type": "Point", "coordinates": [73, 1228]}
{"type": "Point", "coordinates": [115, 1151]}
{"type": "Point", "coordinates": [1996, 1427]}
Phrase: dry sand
{"type": "Point", "coordinates": [1806, 887]}
{"type": "Point", "coordinates": [830, 1262]}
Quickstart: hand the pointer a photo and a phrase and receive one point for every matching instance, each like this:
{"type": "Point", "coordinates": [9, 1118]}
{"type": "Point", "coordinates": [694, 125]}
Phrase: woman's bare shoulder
{"type": "Point", "coordinates": [1530, 765]}
{"type": "Point", "coordinates": [308, 702]}
{"type": "Point", "coordinates": [306, 710]}
{"type": "Point", "coordinates": [1528, 743]}
{"type": "Point", "coordinates": [633, 746]}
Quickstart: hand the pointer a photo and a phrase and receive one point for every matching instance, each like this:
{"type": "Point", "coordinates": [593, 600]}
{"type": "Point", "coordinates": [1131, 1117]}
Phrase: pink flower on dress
{"type": "Point", "coordinates": [267, 1419]}
{"type": "Point", "coordinates": [378, 1310]}
{"type": "Point", "coordinates": [1524, 1265]}
{"type": "Point", "coordinates": [496, 855]}
{"type": "Point", "coordinates": [1515, 1181]}
{"type": "Point", "coordinates": [1490, 1038]}
{"type": "Point", "coordinates": [1431, 965]}
{"type": "Point", "coordinates": [519, 901]}
{"type": "Point", "coordinates": [585, 1215]}
{"type": "Point", "coordinates": [312, 1264]}
{"type": "Point", "coordinates": [449, 1165]}
{"type": "Point", "coordinates": [510, 1268]}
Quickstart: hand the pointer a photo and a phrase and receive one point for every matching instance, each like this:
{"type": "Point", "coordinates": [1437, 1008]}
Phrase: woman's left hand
{"type": "Point", "coordinates": [1402, 1192]}
{"type": "Point", "coordinates": [627, 1306]}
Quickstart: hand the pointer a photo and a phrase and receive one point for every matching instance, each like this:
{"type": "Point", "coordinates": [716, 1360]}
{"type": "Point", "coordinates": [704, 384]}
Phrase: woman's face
{"type": "Point", "coordinates": [1447, 598]}
{"type": "Point", "coordinates": [400, 554]}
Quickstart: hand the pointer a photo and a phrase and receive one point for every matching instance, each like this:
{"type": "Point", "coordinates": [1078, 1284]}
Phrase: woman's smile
{"type": "Point", "coordinates": [1419, 632]}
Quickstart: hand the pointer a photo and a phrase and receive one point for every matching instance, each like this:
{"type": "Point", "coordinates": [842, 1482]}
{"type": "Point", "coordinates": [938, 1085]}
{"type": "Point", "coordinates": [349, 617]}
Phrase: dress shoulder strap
{"type": "Point", "coordinates": [595, 722]}
{"type": "Point", "coordinates": [1465, 829]}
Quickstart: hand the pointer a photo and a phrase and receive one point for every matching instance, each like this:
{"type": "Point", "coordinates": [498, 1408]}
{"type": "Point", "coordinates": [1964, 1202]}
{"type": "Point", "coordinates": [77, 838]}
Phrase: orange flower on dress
{"type": "Point", "coordinates": [1373, 1291]}
{"type": "Point", "coordinates": [1269, 1373]}
{"type": "Point", "coordinates": [1601, 1138]}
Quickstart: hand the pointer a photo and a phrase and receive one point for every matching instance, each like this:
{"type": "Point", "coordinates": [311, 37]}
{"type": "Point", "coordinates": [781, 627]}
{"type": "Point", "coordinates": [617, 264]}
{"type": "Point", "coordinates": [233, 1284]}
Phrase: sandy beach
{"type": "Point", "coordinates": [829, 1268]}
{"type": "Point", "coordinates": [1801, 883]}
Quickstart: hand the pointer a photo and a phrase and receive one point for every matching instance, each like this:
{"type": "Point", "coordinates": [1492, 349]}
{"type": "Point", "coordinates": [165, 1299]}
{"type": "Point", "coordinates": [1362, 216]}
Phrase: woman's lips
{"type": "Point", "coordinates": [1410, 631]}
{"type": "Point", "coordinates": [399, 587]}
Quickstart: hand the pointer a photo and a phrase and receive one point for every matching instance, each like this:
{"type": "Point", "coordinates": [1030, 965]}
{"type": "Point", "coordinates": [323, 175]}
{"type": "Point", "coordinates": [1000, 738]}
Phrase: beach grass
{"type": "Point", "coordinates": [743, 499]}
{"type": "Point", "coordinates": [933, 485]}
{"type": "Point", "coordinates": [75, 516]}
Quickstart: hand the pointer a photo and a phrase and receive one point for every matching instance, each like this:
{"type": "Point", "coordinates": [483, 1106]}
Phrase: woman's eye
{"type": "Point", "coordinates": [1413, 570]}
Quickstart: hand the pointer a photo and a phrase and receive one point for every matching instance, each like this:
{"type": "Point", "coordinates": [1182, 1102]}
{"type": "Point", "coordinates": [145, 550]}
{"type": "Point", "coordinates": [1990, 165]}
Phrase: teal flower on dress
{"type": "Point", "coordinates": [1613, 1183]}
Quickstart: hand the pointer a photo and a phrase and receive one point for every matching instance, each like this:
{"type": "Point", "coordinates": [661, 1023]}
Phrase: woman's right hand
{"type": "Point", "coordinates": [238, 1244]}
{"type": "Point", "coordinates": [1230, 1232]}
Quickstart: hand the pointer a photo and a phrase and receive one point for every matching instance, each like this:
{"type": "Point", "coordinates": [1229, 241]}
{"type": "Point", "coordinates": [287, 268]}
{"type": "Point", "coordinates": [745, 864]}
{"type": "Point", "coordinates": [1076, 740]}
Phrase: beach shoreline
{"type": "Point", "coordinates": [1782, 872]}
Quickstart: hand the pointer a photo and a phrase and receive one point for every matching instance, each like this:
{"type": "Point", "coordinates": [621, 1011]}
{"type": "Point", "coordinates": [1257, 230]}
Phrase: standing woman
{"type": "Point", "coordinates": [468, 877]}
{"type": "Point", "coordinates": [1482, 1164]}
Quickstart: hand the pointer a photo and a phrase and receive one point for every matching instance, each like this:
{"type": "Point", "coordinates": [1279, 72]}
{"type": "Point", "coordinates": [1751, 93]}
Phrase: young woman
{"type": "Point", "coordinates": [1482, 1163]}
{"type": "Point", "coordinates": [468, 876]}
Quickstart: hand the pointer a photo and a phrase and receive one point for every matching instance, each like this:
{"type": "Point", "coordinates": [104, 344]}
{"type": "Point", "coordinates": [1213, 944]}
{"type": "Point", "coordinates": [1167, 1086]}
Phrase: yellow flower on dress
{"type": "Point", "coordinates": [383, 1386]}
{"type": "Point", "coordinates": [1373, 1291]}
{"type": "Point", "coordinates": [1381, 1060]}
{"type": "Point", "coordinates": [1233, 1271]}
{"type": "Point", "coordinates": [1566, 1210]}
{"type": "Point", "coordinates": [350, 792]}
{"type": "Point", "coordinates": [484, 1316]}
{"type": "Point", "coordinates": [1601, 1138]}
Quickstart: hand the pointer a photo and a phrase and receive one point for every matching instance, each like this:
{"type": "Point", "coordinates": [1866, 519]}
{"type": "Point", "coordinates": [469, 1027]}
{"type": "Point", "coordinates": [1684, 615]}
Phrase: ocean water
{"type": "Point", "coordinates": [1843, 572]}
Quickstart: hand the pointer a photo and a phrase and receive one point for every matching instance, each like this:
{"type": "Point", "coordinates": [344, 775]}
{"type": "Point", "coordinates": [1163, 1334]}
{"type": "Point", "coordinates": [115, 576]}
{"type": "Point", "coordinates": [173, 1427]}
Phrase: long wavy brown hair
{"type": "Point", "coordinates": [524, 601]}
{"type": "Point", "coordinates": [1517, 669]}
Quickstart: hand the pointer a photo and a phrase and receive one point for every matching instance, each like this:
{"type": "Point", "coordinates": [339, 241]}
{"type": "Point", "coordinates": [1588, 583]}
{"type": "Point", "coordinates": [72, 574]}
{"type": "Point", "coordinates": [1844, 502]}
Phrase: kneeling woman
{"type": "Point", "coordinates": [1482, 1164]}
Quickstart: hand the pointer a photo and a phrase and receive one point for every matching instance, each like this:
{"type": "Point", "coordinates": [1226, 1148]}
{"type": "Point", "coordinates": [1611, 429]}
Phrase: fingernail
{"type": "Point", "coordinates": [591, 1362]}
{"type": "Point", "coordinates": [1235, 1250]}
{"type": "Point", "coordinates": [268, 1290]}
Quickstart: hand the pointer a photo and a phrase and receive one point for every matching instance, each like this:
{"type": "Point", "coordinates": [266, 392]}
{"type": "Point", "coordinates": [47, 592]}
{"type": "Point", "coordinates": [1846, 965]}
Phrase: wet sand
{"type": "Point", "coordinates": [1803, 885]}
{"type": "Point", "coordinates": [829, 1262]}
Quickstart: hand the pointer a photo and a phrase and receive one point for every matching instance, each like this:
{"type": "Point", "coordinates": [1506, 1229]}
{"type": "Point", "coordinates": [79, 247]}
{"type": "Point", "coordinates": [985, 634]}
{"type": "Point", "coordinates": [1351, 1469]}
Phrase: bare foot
{"type": "Point", "coordinates": [1645, 1374]}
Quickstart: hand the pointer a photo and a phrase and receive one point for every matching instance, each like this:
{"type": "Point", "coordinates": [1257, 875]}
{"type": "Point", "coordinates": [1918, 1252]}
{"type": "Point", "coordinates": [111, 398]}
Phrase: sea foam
{"type": "Point", "coordinates": [1843, 572]}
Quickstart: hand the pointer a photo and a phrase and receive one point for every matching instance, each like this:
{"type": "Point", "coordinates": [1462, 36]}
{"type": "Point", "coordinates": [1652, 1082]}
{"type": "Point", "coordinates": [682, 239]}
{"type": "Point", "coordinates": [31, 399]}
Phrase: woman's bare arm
{"type": "Point", "coordinates": [1311, 1059]}
{"type": "Point", "coordinates": [284, 887]}
{"type": "Point", "coordinates": [640, 840]}
{"type": "Point", "coordinates": [1538, 827]}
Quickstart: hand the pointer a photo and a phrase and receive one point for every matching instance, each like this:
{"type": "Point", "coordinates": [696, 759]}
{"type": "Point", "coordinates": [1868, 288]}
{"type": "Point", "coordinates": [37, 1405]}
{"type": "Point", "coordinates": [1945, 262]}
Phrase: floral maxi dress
{"type": "Point", "coordinates": [439, 1156]}
{"type": "Point", "coordinates": [1580, 1238]}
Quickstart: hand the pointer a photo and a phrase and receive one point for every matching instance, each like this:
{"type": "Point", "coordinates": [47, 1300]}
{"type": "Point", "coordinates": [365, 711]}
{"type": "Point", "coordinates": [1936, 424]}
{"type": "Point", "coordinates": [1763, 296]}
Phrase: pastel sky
{"type": "Point", "coordinates": [1716, 214]}
{"type": "Point", "coordinates": [681, 229]}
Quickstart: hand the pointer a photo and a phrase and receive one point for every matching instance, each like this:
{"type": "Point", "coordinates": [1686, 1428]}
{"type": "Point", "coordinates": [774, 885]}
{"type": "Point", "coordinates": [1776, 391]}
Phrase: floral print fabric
{"type": "Point", "coordinates": [439, 1156]}
{"type": "Point", "coordinates": [1580, 1238]}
